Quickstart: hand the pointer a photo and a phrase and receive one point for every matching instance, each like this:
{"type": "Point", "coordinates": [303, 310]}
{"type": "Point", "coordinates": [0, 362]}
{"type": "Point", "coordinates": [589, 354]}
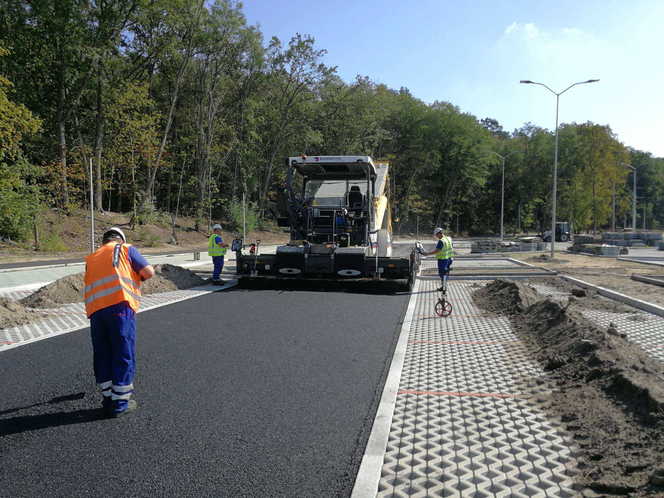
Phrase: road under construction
{"type": "Point", "coordinates": [304, 392]}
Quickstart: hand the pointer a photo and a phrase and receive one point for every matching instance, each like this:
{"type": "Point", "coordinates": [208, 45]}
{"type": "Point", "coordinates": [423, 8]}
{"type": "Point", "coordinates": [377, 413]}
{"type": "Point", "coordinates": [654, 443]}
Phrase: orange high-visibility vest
{"type": "Point", "coordinates": [110, 279]}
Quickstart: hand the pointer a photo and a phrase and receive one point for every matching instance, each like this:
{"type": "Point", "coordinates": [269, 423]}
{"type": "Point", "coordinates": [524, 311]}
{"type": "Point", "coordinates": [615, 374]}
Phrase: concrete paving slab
{"type": "Point", "coordinates": [465, 420]}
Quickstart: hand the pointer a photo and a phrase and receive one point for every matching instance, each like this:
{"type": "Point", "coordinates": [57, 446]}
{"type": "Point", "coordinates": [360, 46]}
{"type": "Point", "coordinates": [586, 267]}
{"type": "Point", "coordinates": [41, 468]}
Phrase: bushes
{"type": "Point", "coordinates": [148, 238]}
{"type": "Point", "coordinates": [53, 243]}
{"type": "Point", "coordinates": [17, 215]}
{"type": "Point", "coordinates": [234, 214]}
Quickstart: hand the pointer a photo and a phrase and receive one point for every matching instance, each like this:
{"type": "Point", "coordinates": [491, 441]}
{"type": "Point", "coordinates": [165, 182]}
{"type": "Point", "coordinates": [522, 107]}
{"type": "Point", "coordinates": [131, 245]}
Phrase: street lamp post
{"type": "Point", "coordinates": [633, 195]}
{"type": "Point", "coordinates": [502, 193]}
{"type": "Point", "coordinates": [555, 158]}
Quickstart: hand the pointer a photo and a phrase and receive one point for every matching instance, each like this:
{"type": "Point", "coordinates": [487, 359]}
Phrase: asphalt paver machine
{"type": "Point", "coordinates": [338, 213]}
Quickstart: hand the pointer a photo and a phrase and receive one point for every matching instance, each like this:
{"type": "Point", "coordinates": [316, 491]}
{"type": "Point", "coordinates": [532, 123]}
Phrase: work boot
{"type": "Point", "coordinates": [131, 407]}
{"type": "Point", "coordinates": [218, 282]}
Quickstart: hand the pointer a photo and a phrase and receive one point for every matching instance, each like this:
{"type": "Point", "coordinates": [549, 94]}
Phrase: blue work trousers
{"type": "Point", "coordinates": [444, 264]}
{"type": "Point", "coordinates": [218, 262]}
{"type": "Point", "coordinates": [113, 331]}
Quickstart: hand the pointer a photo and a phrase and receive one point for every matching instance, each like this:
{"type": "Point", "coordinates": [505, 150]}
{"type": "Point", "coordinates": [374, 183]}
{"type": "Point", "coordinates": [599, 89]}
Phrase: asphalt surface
{"type": "Point", "coordinates": [240, 393]}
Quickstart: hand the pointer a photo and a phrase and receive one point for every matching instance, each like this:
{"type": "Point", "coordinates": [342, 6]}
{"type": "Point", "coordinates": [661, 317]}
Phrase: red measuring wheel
{"type": "Point", "coordinates": [443, 308]}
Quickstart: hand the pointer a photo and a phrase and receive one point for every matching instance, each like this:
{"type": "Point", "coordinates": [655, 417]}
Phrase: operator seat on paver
{"type": "Point", "coordinates": [355, 199]}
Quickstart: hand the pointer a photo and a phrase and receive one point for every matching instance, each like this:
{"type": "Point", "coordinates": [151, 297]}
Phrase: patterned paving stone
{"type": "Point", "coordinates": [465, 422]}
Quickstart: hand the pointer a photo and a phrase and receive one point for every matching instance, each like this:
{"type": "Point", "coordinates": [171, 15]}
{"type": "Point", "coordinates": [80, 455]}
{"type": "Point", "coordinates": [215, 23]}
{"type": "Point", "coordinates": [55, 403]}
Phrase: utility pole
{"type": "Point", "coordinates": [555, 157]}
{"type": "Point", "coordinates": [244, 219]}
{"type": "Point", "coordinates": [502, 192]}
{"type": "Point", "coordinates": [613, 213]}
{"type": "Point", "coordinates": [92, 213]}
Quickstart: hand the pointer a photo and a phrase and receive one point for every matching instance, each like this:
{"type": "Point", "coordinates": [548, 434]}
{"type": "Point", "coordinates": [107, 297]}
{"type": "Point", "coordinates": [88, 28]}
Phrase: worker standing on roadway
{"type": "Point", "coordinates": [113, 276]}
{"type": "Point", "coordinates": [444, 251]}
{"type": "Point", "coordinates": [217, 249]}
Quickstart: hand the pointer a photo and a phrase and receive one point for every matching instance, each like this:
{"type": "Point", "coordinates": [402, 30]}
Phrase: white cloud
{"type": "Point", "coordinates": [572, 31]}
{"type": "Point", "coordinates": [528, 29]}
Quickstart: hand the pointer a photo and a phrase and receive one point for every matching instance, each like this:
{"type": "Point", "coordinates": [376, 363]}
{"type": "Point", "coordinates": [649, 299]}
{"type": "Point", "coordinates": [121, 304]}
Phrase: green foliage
{"type": "Point", "coordinates": [235, 220]}
{"type": "Point", "coordinates": [53, 243]}
{"type": "Point", "coordinates": [18, 212]}
{"type": "Point", "coordinates": [121, 80]}
{"type": "Point", "coordinates": [148, 238]}
{"type": "Point", "coordinates": [19, 200]}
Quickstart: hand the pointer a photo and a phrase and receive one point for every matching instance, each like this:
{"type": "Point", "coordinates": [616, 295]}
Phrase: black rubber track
{"type": "Point", "coordinates": [240, 393]}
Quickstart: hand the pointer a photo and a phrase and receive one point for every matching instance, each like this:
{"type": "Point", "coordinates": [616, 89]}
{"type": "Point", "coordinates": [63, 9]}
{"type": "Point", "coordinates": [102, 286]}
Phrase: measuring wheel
{"type": "Point", "coordinates": [443, 308]}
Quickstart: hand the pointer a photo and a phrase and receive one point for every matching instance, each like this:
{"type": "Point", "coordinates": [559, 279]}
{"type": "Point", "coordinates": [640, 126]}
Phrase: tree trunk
{"type": "Point", "coordinates": [237, 154]}
{"type": "Point", "coordinates": [99, 137]}
{"type": "Point", "coordinates": [448, 190]}
{"type": "Point", "coordinates": [174, 98]}
{"type": "Point", "coordinates": [84, 156]}
{"type": "Point", "coordinates": [110, 189]}
{"type": "Point", "coordinates": [62, 138]}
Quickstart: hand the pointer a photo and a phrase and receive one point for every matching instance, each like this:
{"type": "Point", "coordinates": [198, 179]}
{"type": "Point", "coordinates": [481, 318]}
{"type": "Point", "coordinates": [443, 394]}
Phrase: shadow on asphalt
{"type": "Point", "coordinates": [15, 425]}
{"type": "Point", "coordinates": [368, 288]}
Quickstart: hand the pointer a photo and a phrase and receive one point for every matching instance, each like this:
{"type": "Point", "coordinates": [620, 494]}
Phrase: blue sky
{"type": "Point", "coordinates": [473, 53]}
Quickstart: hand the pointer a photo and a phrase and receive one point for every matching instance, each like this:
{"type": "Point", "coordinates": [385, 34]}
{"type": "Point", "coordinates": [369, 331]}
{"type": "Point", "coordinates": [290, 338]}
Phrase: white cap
{"type": "Point", "coordinates": [216, 227]}
{"type": "Point", "coordinates": [437, 231]}
{"type": "Point", "coordinates": [117, 230]}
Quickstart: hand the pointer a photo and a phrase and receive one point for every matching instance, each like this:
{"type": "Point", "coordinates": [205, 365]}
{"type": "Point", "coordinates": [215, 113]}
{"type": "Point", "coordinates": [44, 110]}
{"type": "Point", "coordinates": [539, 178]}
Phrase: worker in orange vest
{"type": "Point", "coordinates": [113, 276]}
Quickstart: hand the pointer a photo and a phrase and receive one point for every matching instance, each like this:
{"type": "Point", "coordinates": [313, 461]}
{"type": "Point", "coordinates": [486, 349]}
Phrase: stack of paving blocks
{"type": "Point", "coordinates": [630, 239]}
{"type": "Point", "coordinates": [488, 246]}
{"type": "Point", "coordinates": [586, 244]}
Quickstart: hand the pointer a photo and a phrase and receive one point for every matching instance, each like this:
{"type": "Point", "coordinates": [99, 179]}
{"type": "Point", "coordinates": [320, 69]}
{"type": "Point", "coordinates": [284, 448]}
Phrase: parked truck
{"type": "Point", "coordinates": [338, 213]}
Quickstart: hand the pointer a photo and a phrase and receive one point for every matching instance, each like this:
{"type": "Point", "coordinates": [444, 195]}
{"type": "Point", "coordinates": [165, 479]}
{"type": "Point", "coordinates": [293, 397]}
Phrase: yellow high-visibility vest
{"type": "Point", "coordinates": [446, 251]}
{"type": "Point", "coordinates": [213, 248]}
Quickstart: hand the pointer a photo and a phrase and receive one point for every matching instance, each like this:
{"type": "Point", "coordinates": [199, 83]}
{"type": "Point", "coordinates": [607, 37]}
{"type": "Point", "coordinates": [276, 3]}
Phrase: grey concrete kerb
{"type": "Point", "coordinates": [617, 296]}
{"type": "Point", "coordinates": [648, 280]}
{"type": "Point", "coordinates": [652, 263]}
{"type": "Point", "coordinates": [368, 476]}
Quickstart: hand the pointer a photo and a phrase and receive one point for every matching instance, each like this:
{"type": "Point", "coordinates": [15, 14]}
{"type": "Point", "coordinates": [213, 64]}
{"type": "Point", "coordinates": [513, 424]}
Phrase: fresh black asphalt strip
{"type": "Point", "coordinates": [240, 393]}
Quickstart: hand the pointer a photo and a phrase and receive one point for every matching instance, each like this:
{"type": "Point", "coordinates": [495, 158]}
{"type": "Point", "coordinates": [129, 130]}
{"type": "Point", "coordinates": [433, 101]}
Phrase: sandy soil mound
{"type": "Point", "coordinates": [13, 314]}
{"type": "Point", "coordinates": [608, 392]}
{"type": "Point", "coordinates": [503, 296]}
{"type": "Point", "coordinates": [70, 289]}
{"type": "Point", "coordinates": [169, 278]}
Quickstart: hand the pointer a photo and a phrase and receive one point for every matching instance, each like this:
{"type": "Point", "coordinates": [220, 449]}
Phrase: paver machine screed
{"type": "Point", "coordinates": [339, 216]}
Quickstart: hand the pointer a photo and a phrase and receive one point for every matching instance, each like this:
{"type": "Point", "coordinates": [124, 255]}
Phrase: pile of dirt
{"type": "Point", "coordinates": [70, 289]}
{"type": "Point", "coordinates": [169, 278]}
{"type": "Point", "coordinates": [586, 299]}
{"type": "Point", "coordinates": [13, 314]}
{"type": "Point", "coordinates": [608, 392]}
{"type": "Point", "coordinates": [502, 296]}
